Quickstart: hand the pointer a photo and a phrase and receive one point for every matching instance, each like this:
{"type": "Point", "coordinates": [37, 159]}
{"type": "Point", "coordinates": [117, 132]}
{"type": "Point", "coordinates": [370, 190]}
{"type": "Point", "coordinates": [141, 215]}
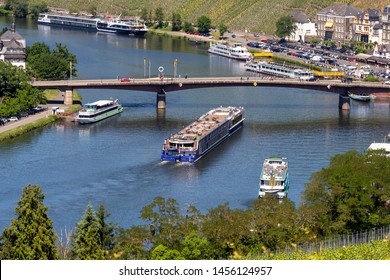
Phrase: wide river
{"type": "Point", "coordinates": [117, 162]}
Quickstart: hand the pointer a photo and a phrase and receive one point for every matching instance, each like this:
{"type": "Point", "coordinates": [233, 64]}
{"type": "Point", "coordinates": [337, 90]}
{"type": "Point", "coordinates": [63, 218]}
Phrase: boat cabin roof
{"type": "Point", "coordinates": [100, 103]}
{"type": "Point", "coordinates": [380, 146]}
{"type": "Point", "coordinates": [275, 166]}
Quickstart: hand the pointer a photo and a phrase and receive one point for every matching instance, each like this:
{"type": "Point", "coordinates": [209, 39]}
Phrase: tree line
{"type": "Point", "coordinates": [351, 194]}
{"type": "Point", "coordinates": [16, 93]}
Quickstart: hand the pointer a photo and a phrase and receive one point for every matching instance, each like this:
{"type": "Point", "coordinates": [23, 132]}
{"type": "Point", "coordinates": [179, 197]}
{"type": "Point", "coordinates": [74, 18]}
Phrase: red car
{"type": "Point", "coordinates": [125, 80]}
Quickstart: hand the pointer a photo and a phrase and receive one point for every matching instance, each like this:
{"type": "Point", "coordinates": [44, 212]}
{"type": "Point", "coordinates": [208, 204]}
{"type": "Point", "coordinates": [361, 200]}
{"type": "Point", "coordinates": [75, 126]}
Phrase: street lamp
{"type": "Point", "coordinates": [175, 68]}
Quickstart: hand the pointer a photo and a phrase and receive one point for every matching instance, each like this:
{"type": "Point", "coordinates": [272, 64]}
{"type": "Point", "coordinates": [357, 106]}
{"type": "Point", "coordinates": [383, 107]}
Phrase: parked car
{"type": "Point", "coordinates": [22, 114]}
{"type": "Point", "coordinates": [13, 119]}
{"type": "Point", "coordinates": [38, 109]}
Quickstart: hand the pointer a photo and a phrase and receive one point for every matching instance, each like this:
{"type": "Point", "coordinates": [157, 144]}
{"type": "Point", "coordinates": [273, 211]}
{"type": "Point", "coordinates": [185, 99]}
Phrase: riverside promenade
{"type": "Point", "coordinates": [31, 118]}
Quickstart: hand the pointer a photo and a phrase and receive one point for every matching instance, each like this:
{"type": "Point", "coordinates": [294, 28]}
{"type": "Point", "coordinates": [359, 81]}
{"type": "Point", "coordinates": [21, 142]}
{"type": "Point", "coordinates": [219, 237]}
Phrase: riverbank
{"type": "Point", "coordinates": [14, 129]}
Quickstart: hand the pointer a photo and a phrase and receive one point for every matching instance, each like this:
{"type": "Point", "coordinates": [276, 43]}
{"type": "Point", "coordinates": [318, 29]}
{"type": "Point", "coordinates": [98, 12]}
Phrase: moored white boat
{"type": "Point", "coordinates": [235, 51]}
{"type": "Point", "coordinates": [279, 70]}
{"type": "Point", "coordinates": [117, 26]}
{"type": "Point", "coordinates": [382, 146]}
{"type": "Point", "coordinates": [197, 139]}
{"type": "Point", "coordinates": [359, 97]}
{"type": "Point", "coordinates": [274, 178]}
{"type": "Point", "coordinates": [98, 110]}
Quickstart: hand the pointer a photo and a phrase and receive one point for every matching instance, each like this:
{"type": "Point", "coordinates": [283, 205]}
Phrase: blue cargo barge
{"type": "Point", "coordinates": [201, 136]}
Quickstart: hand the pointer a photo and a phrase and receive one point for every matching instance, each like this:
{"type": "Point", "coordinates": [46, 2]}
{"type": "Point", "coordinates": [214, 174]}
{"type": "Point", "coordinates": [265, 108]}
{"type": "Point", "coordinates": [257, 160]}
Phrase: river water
{"type": "Point", "coordinates": [117, 162]}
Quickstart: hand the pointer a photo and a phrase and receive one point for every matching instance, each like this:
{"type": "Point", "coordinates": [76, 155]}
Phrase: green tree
{"type": "Point", "coordinates": [188, 27]}
{"type": "Point", "coordinates": [11, 79]}
{"type": "Point", "coordinates": [285, 26]}
{"type": "Point", "coordinates": [20, 8]}
{"type": "Point", "coordinates": [16, 93]}
{"type": "Point", "coordinates": [106, 230]}
{"type": "Point", "coordinates": [226, 230]}
{"type": "Point", "coordinates": [315, 41]}
{"type": "Point", "coordinates": [161, 252]}
{"type": "Point", "coordinates": [63, 52]}
{"type": "Point", "coordinates": [204, 24]}
{"type": "Point", "coordinates": [222, 29]}
{"type": "Point", "coordinates": [176, 22]}
{"type": "Point", "coordinates": [38, 8]}
{"type": "Point", "coordinates": [351, 194]}
{"type": "Point", "coordinates": [130, 243]}
{"type": "Point", "coordinates": [164, 221]}
{"type": "Point", "coordinates": [86, 242]}
{"type": "Point", "coordinates": [274, 223]}
{"type": "Point", "coordinates": [150, 18]}
{"type": "Point", "coordinates": [196, 247]}
{"type": "Point", "coordinates": [144, 14]}
{"type": "Point", "coordinates": [371, 78]}
{"type": "Point", "coordinates": [159, 17]}
{"type": "Point", "coordinates": [93, 10]}
{"type": "Point", "coordinates": [30, 236]}
{"type": "Point", "coordinates": [46, 64]}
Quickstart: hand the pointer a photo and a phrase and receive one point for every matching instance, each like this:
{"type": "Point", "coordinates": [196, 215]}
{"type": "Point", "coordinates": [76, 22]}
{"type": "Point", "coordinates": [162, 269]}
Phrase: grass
{"type": "Point", "coordinates": [26, 128]}
{"type": "Point", "coordinates": [51, 94]}
{"type": "Point", "coordinates": [376, 250]}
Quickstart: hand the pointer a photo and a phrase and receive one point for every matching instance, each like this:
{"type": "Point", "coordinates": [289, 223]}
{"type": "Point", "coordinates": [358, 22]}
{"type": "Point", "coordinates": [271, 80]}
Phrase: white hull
{"type": "Point", "coordinates": [235, 51]}
{"type": "Point", "coordinates": [97, 111]}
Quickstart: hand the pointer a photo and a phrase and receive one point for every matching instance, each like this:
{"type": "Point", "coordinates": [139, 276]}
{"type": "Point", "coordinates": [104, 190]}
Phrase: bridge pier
{"type": "Point", "coordinates": [344, 102]}
{"type": "Point", "coordinates": [161, 99]}
{"type": "Point", "coordinates": [68, 97]}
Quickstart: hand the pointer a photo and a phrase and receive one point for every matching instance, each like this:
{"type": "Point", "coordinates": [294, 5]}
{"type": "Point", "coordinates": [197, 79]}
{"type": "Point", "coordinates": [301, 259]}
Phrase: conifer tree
{"type": "Point", "coordinates": [86, 244]}
{"type": "Point", "coordinates": [30, 236]}
{"type": "Point", "coordinates": [107, 230]}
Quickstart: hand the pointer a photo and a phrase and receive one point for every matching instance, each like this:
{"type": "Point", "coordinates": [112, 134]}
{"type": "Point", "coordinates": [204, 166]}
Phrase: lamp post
{"type": "Point", "coordinates": [144, 67]}
{"type": "Point", "coordinates": [149, 68]}
{"type": "Point", "coordinates": [70, 70]}
{"type": "Point", "coordinates": [175, 68]}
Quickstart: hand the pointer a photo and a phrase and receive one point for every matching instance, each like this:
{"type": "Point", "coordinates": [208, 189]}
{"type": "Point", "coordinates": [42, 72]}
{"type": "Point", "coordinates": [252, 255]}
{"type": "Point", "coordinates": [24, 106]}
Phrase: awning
{"type": "Point", "coordinates": [328, 24]}
{"type": "Point", "coordinates": [362, 56]}
{"type": "Point", "coordinates": [372, 59]}
{"type": "Point", "coordinates": [382, 60]}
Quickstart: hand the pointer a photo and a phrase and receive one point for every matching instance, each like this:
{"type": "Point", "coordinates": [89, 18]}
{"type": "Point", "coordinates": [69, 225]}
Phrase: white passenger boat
{"type": "Point", "coordinates": [98, 110]}
{"type": "Point", "coordinates": [122, 27]}
{"type": "Point", "coordinates": [274, 178]}
{"type": "Point", "coordinates": [235, 51]}
{"type": "Point", "coordinates": [201, 136]}
{"type": "Point", "coordinates": [359, 97]}
{"type": "Point", "coordinates": [117, 26]}
{"type": "Point", "coordinates": [279, 70]}
{"type": "Point", "coordinates": [382, 146]}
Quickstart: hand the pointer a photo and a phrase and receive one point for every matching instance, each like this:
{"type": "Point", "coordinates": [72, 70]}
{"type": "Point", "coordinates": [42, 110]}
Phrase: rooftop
{"type": "Point", "coordinates": [339, 9]}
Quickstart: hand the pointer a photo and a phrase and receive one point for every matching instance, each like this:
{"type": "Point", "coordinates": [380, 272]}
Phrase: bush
{"type": "Point", "coordinates": [371, 78]}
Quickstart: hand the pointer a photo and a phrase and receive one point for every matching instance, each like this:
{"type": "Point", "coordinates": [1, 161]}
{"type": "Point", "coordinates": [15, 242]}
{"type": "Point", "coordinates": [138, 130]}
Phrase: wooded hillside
{"type": "Point", "coordinates": [255, 15]}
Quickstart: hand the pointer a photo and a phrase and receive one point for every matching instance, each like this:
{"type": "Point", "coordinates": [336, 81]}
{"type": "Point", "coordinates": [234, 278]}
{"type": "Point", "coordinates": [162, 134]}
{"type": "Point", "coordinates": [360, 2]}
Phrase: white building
{"type": "Point", "coordinates": [13, 48]}
{"type": "Point", "coordinates": [305, 28]}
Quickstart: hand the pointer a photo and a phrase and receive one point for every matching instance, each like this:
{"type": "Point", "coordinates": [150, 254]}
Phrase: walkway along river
{"type": "Point", "coordinates": [117, 161]}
